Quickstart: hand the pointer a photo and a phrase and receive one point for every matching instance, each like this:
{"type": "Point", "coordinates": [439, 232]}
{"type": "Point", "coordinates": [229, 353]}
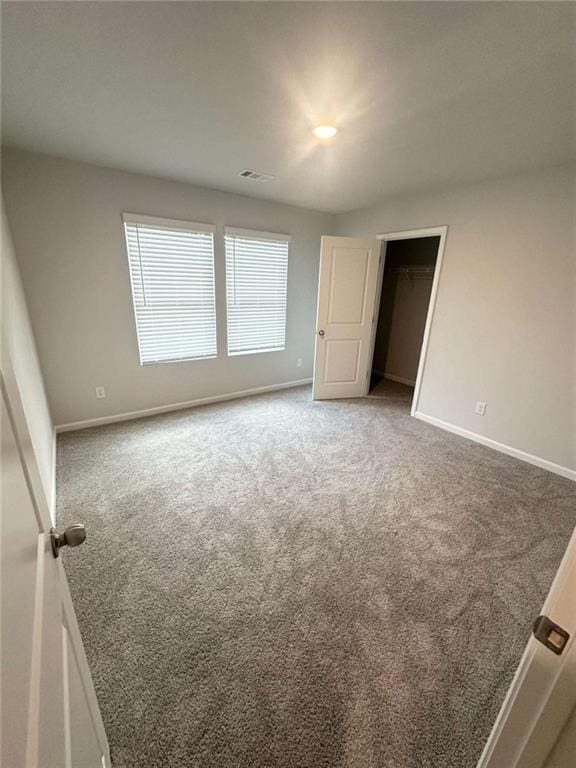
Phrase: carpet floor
{"type": "Point", "coordinates": [281, 583]}
{"type": "Point", "coordinates": [392, 390]}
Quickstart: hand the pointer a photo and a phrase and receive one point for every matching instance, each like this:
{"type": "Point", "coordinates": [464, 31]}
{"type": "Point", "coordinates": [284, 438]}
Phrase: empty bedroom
{"type": "Point", "coordinates": [288, 372]}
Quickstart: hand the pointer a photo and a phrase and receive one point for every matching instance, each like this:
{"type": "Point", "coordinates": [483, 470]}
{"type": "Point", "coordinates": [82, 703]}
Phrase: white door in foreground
{"type": "Point", "coordinates": [349, 269]}
{"type": "Point", "coordinates": [50, 718]}
{"type": "Point", "coordinates": [543, 692]}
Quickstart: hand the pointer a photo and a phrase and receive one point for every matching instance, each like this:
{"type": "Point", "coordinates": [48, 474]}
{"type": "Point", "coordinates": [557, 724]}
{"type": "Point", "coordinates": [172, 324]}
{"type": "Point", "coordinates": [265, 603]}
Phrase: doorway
{"type": "Point", "coordinates": [350, 299]}
{"type": "Point", "coordinates": [407, 279]}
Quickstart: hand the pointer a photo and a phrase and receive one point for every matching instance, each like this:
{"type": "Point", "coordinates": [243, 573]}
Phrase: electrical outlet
{"type": "Point", "coordinates": [480, 408]}
{"type": "Point", "coordinates": [299, 362]}
{"type": "Point", "coordinates": [100, 393]}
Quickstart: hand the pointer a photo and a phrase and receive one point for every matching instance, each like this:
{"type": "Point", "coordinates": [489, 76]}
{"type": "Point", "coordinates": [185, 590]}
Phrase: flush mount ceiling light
{"type": "Point", "coordinates": [325, 131]}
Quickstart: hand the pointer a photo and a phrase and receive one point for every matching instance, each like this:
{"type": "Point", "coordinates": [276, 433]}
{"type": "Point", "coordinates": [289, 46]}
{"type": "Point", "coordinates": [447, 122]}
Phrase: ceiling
{"type": "Point", "coordinates": [425, 95]}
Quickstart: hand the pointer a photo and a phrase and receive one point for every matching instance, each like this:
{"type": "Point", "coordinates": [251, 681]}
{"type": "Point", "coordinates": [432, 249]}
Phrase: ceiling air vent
{"type": "Point", "coordinates": [255, 175]}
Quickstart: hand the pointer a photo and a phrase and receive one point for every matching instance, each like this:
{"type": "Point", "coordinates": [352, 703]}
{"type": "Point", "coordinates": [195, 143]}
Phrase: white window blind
{"type": "Point", "coordinates": [172, 275]}
{"type": "Point", "coordinates": [256, 285]}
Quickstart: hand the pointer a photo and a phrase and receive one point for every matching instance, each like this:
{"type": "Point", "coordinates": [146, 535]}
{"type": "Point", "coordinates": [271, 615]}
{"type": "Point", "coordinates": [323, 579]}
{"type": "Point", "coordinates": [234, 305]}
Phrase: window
{"type": "Point", "coordinates": [172, 276]}
{"type": "Point", "coordinates": [256, 279]}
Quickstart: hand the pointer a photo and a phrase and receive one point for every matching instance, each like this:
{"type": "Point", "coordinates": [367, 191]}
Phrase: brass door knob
{"type": "Point", "coordinates": [73, 536]}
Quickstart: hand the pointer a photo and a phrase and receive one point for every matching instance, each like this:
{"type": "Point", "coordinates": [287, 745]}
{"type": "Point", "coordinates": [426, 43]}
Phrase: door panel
{"type": "Point", "coordinates": [348, 272]}
{"type": "Point", "coordinates": [341, 361]}
{"type": "Point", "coordinates": [45, 692]}
{"type": "Point", "coordinates": [17, 602]}
{"type": "Point", "coordinates": [83, 744]}
{"type": "Point", "coordinates": [347, 291]}
{"type": "Point", "coordinates": [51, 732]}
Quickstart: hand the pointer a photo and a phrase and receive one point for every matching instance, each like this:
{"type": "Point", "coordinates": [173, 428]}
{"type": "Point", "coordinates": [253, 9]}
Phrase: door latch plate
{"type": "Point", "coordinates": [550, 634]}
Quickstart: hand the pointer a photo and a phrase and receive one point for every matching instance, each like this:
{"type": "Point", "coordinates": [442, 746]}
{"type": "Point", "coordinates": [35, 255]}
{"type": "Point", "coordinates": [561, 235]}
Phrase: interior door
{"type": "Point", "coordinates": [347, 293]}
{"type": "Point", "coordinates": [50, 716]}
{"type": "Point", "coordinates": [543, 692]}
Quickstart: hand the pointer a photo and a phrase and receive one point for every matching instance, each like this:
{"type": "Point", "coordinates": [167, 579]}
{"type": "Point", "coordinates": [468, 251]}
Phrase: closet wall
{"type": "Point", "coordinates": [405, 297]}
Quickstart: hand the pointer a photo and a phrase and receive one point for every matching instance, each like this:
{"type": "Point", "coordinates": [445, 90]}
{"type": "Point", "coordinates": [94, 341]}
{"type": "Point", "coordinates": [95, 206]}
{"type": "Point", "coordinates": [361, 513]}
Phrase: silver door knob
{"type": "Point", "coordinates": [73, 536]}
{"type": "Point", "coordinates": [320, 333]}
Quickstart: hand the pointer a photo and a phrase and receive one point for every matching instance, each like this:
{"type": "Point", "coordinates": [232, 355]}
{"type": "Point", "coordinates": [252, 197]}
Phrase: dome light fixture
{"type": "Point", "coordinates": [325, 131]}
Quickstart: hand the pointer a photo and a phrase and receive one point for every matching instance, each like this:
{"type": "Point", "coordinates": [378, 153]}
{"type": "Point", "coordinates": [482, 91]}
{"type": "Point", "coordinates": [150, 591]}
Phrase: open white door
{"type": "Point", "coordinates": [50, 716]}
{"type": "Point", "coordinates": [347, 293]}
{"type": "Point", "coordinates": [543, 692]}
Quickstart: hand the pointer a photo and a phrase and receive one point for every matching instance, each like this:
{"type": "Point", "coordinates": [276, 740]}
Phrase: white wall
{"type": "Point", "coordinates": [66, 222]}
{"type": "Point", "coordinates": [19, 353]}
{"type": "Point", "coordinates": [504, 328]}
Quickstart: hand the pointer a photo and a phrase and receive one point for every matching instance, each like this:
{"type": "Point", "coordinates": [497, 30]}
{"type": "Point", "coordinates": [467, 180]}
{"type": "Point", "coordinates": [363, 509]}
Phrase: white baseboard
{"type": "Point", "coordinates": [74, 425]}
{"type": "Point", "coordinates": [399, 379]}
{"type": "Point", "coordinates": [558, 469]}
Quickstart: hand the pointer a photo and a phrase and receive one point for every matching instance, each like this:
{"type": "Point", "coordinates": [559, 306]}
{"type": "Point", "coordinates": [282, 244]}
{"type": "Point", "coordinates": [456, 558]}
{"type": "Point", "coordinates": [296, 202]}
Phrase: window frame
{"type": "Point", "coordinates": [170, 224]}
{"type": "Point", "coordinates": [253, 234]}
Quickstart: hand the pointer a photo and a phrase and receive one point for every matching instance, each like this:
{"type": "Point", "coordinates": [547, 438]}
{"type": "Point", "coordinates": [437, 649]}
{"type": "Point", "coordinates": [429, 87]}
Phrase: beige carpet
{"type": "Point", "coordinates": [281, 583]}
{"type": "Point", "coordinates": [392, 390]}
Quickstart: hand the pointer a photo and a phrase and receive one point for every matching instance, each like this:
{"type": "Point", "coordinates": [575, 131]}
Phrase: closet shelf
{"type": "Point", "coordinates": [412, 273]}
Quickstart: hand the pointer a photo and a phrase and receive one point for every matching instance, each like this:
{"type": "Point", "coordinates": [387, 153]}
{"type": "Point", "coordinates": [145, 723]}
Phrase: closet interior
{"type": "Point", "coordinates": [406, 288]}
